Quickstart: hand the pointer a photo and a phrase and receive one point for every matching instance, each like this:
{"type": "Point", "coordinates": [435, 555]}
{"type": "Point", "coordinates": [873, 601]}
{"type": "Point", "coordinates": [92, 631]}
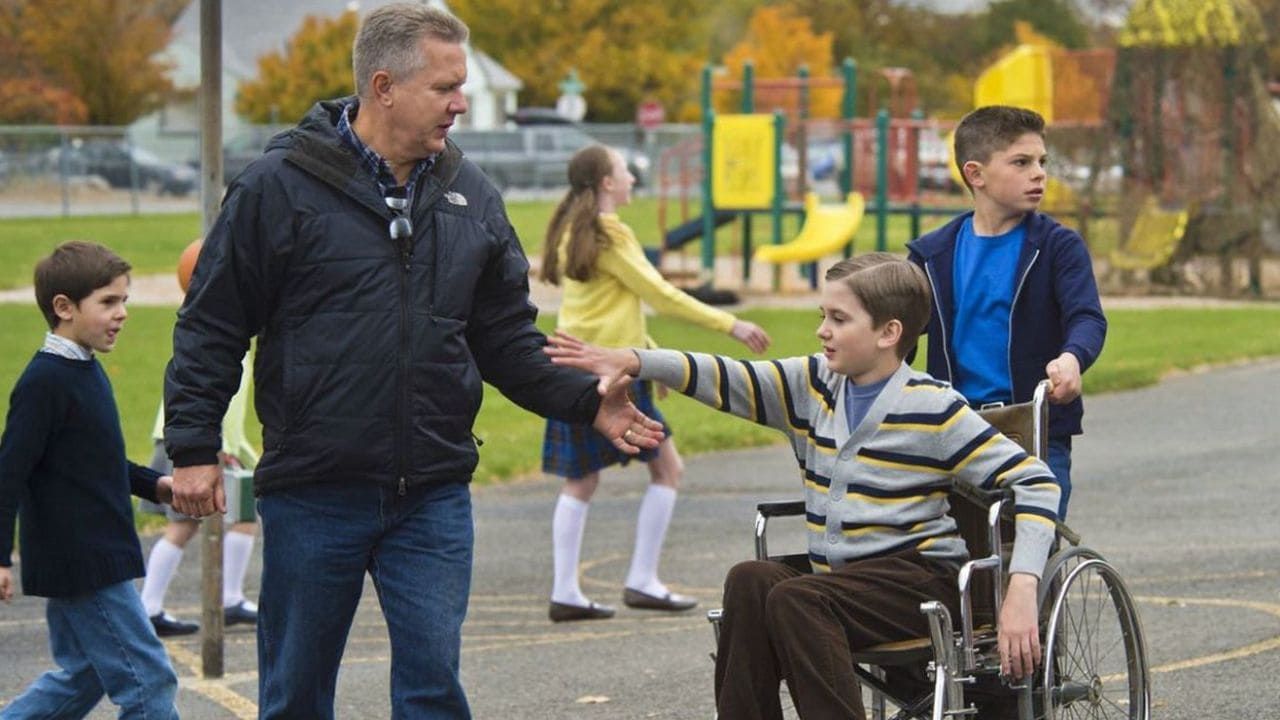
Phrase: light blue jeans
{"type": "Point", "coordinates": [103, 643]}
{"type": "Point", "coordinates": [318, 541]}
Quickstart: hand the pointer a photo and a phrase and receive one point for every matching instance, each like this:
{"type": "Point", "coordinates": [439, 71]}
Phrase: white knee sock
{"type": "Point", "coordinates": [567, 525]}
{"type": "Point", "coordinates": [162, 563]}
{"type": "Point", "coordinates": [651, 528]}
{"type": "Point", "coordinates": [236, 549]}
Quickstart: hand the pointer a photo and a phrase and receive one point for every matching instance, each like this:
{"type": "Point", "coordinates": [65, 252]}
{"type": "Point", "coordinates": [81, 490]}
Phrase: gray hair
{"type": "Point", "coordinates": [389, 38]}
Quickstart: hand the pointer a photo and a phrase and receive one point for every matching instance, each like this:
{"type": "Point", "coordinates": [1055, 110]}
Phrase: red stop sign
{"type": "Point", "coordinates": [650, 114]}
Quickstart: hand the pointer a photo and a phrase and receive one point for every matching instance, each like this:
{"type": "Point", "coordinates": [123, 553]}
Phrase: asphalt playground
{"type": "Point", "coordinates": [1175, 484]}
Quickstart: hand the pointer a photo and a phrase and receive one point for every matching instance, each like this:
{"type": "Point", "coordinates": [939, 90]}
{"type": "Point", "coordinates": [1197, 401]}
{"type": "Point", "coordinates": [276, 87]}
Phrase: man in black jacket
{"type": "Point", "coordinates": [379, 271]}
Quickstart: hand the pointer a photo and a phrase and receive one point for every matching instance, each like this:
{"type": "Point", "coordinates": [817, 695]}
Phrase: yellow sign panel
{"type": "Point", "coordinates": [1022, 78]}
{"type": "Point", "coordinates": [742, 162]}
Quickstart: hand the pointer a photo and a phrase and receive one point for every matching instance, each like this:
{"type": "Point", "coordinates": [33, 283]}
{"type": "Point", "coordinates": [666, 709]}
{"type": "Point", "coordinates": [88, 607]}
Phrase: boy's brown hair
{"type": "Point", "coordinates": [889, 288]}
{"type": "Point", "coordinates": [990, 129]}
{"type": "Point", "coordinates": [75, 269]}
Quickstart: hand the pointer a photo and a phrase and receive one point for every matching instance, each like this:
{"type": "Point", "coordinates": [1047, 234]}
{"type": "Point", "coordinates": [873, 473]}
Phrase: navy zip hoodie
{"type": "Point", "coordinates": [1055, 308]}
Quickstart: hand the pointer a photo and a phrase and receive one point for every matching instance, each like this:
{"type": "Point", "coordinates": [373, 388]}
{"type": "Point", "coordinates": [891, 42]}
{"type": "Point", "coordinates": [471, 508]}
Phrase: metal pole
{"type": "Point", "coordinates": [882, 179]}
{"type": "Point", "coordinates": [211, 198]}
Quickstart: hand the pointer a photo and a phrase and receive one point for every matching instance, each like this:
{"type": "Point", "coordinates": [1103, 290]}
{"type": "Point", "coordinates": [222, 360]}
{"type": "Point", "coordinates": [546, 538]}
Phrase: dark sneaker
{"type": "Point", "coordinates": [240, 614]}
{"type": "Point", "coordinates": [167, 625]}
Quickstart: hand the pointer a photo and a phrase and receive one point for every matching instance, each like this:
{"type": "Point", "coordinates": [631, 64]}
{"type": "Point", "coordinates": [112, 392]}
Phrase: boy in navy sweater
{"type": "Point", "coordinates": [63, 471]}
{"type": "Point", "coordinates": [1014, 297]}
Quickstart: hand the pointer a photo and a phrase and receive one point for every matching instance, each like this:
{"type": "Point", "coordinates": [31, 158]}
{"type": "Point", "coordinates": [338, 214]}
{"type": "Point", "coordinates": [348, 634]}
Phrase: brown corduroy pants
{"type": "Point", "coordinates": [780, 624]}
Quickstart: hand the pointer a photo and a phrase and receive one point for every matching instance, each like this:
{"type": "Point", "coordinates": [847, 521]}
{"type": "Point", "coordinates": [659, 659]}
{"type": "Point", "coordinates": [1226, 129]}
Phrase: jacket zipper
{"type": "Point", "coordinates": [402, 411]}
{"type": "Point", "coordinates": [1008, 351]}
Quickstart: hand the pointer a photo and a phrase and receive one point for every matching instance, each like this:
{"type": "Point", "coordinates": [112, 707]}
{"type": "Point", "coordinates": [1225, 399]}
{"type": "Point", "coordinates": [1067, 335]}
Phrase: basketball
{"type": "Point", "coordinates": [187, 263]}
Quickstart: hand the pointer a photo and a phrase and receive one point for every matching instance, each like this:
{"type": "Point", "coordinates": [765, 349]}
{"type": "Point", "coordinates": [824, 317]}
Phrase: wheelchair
{"type": "Point", "coordinates": [1094, 660]}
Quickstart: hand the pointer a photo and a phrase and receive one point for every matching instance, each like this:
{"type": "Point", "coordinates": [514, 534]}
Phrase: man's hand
{"type": "Point", "coordinates": [1019, 632]}
{"type": "Point", "coordinates": [626, 427]}
{"type": "Point", "coordinates": [1064, 373]}
{"type": "Point", "coordinates": [164, 489]}
{"type": "Point", "coordinates": [6, 584]}
{"type": "Point", "coordinates": [751, 335]}
{"type": "Point", "coordinates": [614, 367]}
{"type": "Point", "coordinates": [198, 491]}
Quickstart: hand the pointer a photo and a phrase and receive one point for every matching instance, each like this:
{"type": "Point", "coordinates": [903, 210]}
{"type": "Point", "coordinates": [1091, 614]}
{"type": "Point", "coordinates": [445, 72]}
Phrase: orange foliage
{"type": "Point", "coordinates": [778, 42]}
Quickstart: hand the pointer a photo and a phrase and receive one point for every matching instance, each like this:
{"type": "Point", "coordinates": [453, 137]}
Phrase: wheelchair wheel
{"type": "Point", "coordinates": [1056, 568]}
{"type": "Point", "coordinates": [1095, 660]}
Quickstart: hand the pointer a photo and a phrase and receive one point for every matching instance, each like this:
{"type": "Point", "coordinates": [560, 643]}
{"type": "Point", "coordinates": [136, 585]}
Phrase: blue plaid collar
{"type": "Point", "coordinates": [373, 161]}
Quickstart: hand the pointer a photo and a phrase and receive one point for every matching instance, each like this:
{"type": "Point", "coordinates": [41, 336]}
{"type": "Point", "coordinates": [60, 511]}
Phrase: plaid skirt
{"type": "Point", "coordinates": [572, 451]}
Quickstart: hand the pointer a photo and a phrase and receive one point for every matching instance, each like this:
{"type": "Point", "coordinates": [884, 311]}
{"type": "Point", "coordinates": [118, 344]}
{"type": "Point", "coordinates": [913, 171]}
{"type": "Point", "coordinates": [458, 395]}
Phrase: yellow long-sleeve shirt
{"type": "Point", "coordinates": [606, 310]}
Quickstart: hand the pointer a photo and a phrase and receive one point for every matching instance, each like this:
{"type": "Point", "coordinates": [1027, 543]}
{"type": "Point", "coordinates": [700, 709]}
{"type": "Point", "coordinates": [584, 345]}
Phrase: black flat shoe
{"type": "Point", "coordinates": [238, 614]}
{"type": "Point", "coordinates": [671, 602]}
{"type": "Point", "coordinates": [562, 612]}
{"type": "Point", "coordinates": [167, 625]}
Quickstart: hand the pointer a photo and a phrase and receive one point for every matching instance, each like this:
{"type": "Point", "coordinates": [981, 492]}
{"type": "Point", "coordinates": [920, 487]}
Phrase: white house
{"type": "Point", "coordinates": [252, 28]}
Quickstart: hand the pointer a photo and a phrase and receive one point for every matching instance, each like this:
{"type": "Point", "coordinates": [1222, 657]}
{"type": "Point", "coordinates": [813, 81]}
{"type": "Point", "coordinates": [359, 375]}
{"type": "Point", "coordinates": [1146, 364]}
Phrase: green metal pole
{"type": "Point", "coordinates": [882, 179]}
{"type": "Point", "coordinates": [748, 87]}
{"type": "Point", "coordinates": [916, 114]}
{"type": "Point", "coordinates": [848, 106]}
{"type": "Point", "coordinates": [708, 206]}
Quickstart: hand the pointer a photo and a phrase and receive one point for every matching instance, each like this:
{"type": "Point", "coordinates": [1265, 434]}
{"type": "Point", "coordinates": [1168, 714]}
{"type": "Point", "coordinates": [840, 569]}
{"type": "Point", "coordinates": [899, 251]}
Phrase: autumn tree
{"type": "Point", "coordinates": [315, 65]}
{"type": "Point", "coordinates": [778, 42]}
{"type": "Point", "coordinates": [623, 52]}
{"type": "Point", "coordinates": [106, 53]}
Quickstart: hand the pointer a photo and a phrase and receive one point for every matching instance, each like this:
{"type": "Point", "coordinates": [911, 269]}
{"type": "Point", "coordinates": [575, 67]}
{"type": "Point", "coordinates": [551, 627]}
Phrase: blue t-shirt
{"type": "Point", "coordinates": [858, 399]}
{"type": "Point", "coordinates": [984, 284]}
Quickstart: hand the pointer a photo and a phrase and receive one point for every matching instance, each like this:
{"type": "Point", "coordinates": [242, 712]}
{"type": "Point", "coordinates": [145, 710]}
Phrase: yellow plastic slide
{"type": "Point", "coordinates": [827, 229]}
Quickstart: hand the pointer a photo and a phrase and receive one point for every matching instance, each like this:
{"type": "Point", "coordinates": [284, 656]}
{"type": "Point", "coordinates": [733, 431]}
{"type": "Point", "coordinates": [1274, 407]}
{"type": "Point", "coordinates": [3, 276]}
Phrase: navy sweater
{"type": "Point", "coordinates": [63, 472]}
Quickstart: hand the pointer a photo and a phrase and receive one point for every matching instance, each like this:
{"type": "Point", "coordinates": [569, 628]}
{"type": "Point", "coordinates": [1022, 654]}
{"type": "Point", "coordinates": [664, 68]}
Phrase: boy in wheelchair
{"type": "Point", "coordinates": [879, 445]}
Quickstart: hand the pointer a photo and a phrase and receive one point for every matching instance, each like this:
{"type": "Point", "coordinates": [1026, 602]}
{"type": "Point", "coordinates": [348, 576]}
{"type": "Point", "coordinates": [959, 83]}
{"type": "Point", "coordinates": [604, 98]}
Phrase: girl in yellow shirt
{"type": "Point", "coordinates": [606, 276]}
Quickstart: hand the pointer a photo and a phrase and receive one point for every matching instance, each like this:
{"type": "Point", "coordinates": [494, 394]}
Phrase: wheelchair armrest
{"type": "Point", "coordinates": [780, 508]}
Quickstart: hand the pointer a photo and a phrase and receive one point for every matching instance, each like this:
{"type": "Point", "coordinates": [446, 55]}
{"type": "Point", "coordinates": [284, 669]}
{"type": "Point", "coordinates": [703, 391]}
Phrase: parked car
{"type": "Point", "coordinates": [535, 156]}
{"type": "Point", "coordinates": [123, 166]}
{"type": "Point", "coordinates": [539, 116]}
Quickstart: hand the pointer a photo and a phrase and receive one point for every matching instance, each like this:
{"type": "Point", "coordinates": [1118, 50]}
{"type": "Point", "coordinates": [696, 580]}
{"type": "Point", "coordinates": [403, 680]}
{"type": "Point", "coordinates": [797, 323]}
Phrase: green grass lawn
{"type": "Point", "coordinates": [1142, 346]}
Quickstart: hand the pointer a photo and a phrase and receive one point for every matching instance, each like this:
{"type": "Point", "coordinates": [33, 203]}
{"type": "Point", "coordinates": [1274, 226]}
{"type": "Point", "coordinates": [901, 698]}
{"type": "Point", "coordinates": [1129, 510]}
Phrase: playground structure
{"type": "Point", "coordinates": [1171, 138]}
{"type": "Point", "coordinates": [878, 158]}
{"type": "Point", "coordinates": [1164, 153]}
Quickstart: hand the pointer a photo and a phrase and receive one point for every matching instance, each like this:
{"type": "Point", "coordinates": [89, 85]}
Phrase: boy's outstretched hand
{"type": "Point", "coordinates": [614, 367]}
{"type": "Point", "coordinates": [6, 584]}
{"type": "Point", "coordinates": [618, 419]}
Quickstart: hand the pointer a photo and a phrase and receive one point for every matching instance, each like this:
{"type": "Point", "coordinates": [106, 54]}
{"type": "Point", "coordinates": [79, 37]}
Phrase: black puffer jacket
{"type": "Point", "coordinates": [370, 354]}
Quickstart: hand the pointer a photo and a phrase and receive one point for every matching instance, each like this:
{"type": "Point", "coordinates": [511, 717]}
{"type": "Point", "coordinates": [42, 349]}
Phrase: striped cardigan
{"type": "Point", "coordinates": [881, 487]}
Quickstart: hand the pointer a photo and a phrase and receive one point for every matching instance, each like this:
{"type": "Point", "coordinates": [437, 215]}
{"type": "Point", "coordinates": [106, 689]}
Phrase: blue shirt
{"type": "Point", "coordinates": [983, 277]}
{"type": "Point", "coordinates": [858, 399]}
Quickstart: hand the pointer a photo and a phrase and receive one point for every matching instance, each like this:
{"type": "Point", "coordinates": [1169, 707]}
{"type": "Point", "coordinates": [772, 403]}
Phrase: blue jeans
{"type": "Point", "coordinates": [318, 541]}
{"type": "Point", "coordinates": [1059, 463]}
{"type": "Point", "coordinates": [103, 643]}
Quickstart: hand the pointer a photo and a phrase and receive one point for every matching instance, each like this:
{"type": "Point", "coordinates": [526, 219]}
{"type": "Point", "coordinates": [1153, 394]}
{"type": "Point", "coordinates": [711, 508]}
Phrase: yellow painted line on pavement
{"type": "Point", "coordinates": [1243, 651]}
{"type": "Point", "coordinates": [216, 690]}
